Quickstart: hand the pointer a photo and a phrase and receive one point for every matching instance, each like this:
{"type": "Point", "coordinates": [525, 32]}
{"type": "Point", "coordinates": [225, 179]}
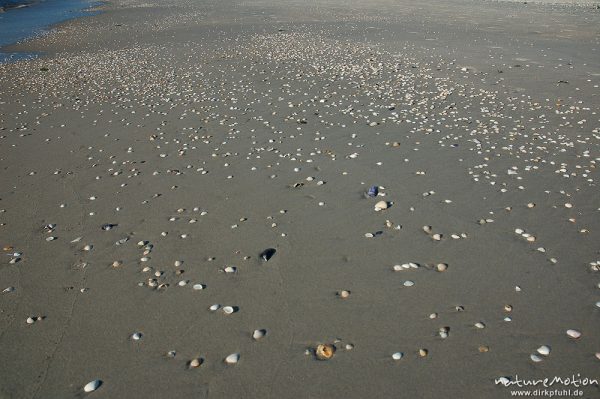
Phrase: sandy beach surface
{"type": "Point", "coordinates": [197, 194]}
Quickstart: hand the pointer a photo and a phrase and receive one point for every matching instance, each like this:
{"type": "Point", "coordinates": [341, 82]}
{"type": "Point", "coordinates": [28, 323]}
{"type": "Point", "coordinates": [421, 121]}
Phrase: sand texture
{"type": "Point", "coordinates": [206, 198]}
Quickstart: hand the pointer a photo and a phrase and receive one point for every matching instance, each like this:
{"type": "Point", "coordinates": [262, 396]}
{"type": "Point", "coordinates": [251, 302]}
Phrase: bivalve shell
{"type": "Point", "coordinates": [573, 334]}
{"type": "Point", "coordinates": [92, 386]}
{"type": "Point", "coordinates": [233, 358]}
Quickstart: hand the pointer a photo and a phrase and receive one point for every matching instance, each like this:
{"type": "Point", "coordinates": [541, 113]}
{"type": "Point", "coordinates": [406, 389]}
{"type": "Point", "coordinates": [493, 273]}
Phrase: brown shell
{"type": "Point", "coordinates": [325, 351]}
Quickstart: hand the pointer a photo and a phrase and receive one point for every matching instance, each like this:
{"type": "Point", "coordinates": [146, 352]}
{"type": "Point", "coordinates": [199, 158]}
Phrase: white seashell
{"type": "Point", "coordinates": [215, 307]}
{"type": "Point", "coordinates": [409, 283]}
{"type": "Point", "coordinates": [441, 267]}
{"type": "Point", "coordinates": [397, 356]}
{"type": "Point", "coordinates": [50, 238]}
{"type": "Point", "coordinates": [543, 350]}
{"type": "Point", "coordinates": [233, 358]}
{"type": "Point", "coordinates": [369, 235]}
{"type": "Point", "coordinates": [519, 231]}
{"type": "Point", "coordinates": [198, 287]}
{"type": "Point", "coordinates": [230, 269]}
{"type": "Point", "coordinates": [88, 247]}
{"type": "Point", "coordinates": [568, 205]}
{"type": "Point", "coordinates": [427, 229]}
{"type": "Point", "coordinates": [182, 283]}
{"type": "Point", "coordinates": [228, 309]}
{"type": "Point", "coordinates": [437, 237]}
{"type": "Point", "coordinates": [258, 334]}
{"type": "Point", "coordinates": [195, 363]}
{"type": "Point", "coordinates": [136, 336]}
{"type": "Point", "coordinates": [30, 320]}
{"type": "Point", "coordinates": [397, 268]}
{"type": "Point", "coordinates": [597, 303]}
{"type": "Point", "coordinates": [573, 334]}
{"type": "Point", "coordinates": [535, 358]}
{"type": "Point", "coordinates": [381, 205]}
{"type": "Point", "coordinates": [508, 318]}
{"type": "Point", "coordinates": [479, 325]}
{"type": "Point", "coordinates": [144, 259]}
{"type": "Point", "coordinates": [92, 386]}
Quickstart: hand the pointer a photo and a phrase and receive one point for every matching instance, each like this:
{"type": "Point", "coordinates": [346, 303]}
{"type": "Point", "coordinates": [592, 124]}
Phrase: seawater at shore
{"type": "Point", "coordinates": [22, 20]}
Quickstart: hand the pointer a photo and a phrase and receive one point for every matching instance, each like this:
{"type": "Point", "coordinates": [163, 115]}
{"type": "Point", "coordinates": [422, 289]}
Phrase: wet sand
{"type": "Point", "coordinates": [157, 149]}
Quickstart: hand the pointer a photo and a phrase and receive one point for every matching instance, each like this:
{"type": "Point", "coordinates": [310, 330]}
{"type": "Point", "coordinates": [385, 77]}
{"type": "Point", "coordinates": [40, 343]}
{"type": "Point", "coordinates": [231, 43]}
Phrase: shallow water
{"type": "Point", "coordinates": [26, 19]}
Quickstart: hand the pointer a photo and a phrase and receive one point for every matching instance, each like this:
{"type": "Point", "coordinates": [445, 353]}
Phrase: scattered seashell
{"type": "Point", "coordinates": [535, 358]}
{"type": "Point", "coordinates": [423, 352]}
{"type": "Point", "coordinates": [195, 363]}
{"type": "Point", "coordinates": [408, 283]}
{"type": "Point", "coordinates": [92, 385]}
{"type": "Point", "coordinates": [484, 349]}
{"type": "Point", "coordinates": [543, 350]}
{"type": "Point", "coordinates": [228, 309]}
{"type": "Point", "coordinates": [397, 355]}
{"type": "Point", "coordinates": [480, 325]}
{"type": "Point", "coordinates": [267, 254]}
{"type": "Point", "coordinates": [214, 307]}
{"type": "Point", "coordinates": [325, 351]}
{"type": "Point", "coordinates": [258, 334]}
{"type": "Point", "coordinates": [230, 269]}
{"type": "Point", "coordinates": [437, 237]}
{"type": "Point", "coordinates": [343, 294]}
{"type": "Point", "coordinates": [381, 205]}
{"type": "Point", "coordinates": [233, 358]}
{"type": "Point", "coordinates": [442, 267]}
{"type": "Point", "coordinates": [136, 336]}
{"type": "Point", "coordinates": [573, 334]}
